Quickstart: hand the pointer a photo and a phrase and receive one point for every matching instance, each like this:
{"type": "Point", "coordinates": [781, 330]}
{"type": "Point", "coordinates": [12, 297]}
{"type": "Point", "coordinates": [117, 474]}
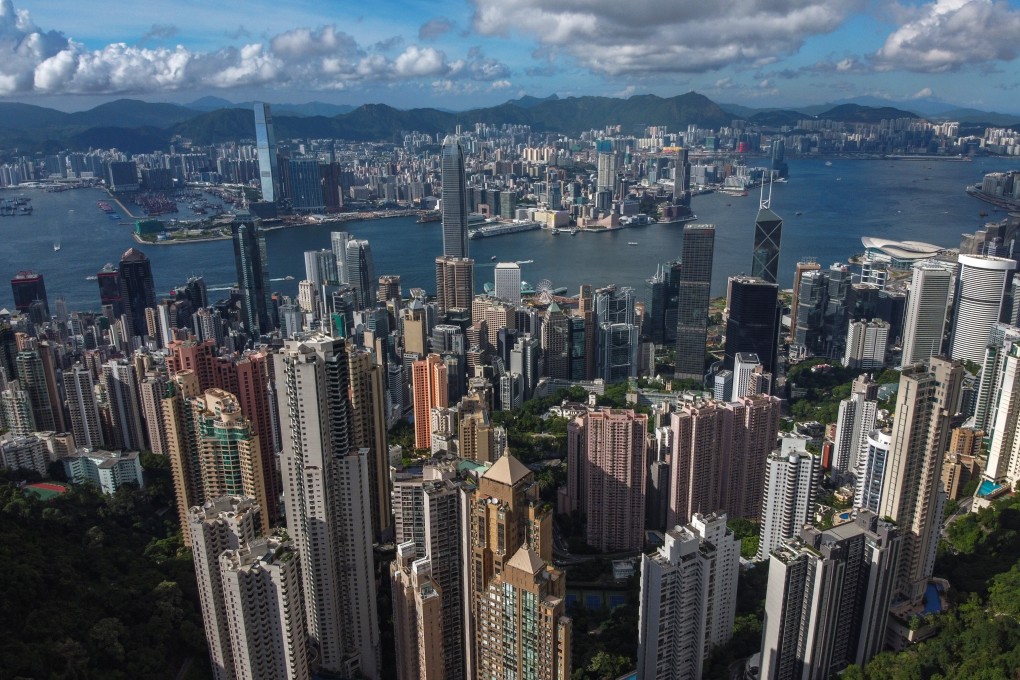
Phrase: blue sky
{"type": "Point", "coordinates": [71, 54]}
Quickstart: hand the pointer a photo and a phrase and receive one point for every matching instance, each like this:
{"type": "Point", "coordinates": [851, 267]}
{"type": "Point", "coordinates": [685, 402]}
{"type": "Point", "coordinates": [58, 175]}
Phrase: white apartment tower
{"type": "Point", "coordinates": [980, 294]}
{"type": "Point", "coordinates": [266, 616]}
{"type": "Point", "coordinates": [866, 343]}
{"type": "Point", "coordinates": [221, 524]}
{"type": "Point", "coordinates": [326, 494]}
{"type": "Point", "coordinates": [688, 599]}
{"type": "Point", "coordinates": [925, 319]}
{"type": "Point", "coordinates": [856, 419]}
{"type": "Point", "coordinates": [871, 470]}
{"type": "Point", "coordinates": [791, 485]}
{"type": "Point", "coordinates": [1004, 449]}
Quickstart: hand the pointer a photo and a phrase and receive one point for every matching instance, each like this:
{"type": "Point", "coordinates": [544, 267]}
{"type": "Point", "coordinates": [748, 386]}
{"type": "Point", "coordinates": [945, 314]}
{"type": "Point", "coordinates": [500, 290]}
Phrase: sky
{"type": "Point", "coordinates": [460, 54]}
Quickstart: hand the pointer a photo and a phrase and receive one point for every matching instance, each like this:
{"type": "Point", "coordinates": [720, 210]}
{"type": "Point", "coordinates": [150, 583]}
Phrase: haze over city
{"type": "Point", "coordinates": [459, 55]}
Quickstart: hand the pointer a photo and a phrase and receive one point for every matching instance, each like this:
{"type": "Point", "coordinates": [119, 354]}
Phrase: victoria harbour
{"type": "Point", "coordinates": [826, 210]}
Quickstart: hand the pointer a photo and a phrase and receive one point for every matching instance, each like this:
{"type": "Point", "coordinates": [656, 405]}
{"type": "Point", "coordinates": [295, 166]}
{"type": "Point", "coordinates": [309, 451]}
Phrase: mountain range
{"type": "Point", "coordinates": [136, 126]}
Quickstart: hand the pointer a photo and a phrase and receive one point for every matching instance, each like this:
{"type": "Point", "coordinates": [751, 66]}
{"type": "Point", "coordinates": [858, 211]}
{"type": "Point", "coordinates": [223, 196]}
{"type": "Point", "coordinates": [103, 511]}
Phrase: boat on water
{"type": "Point", "coordinates": [525, 261]}
{"type": "Point", "coordinates": [828, 164]}
{"type": "Point", "coordinates": [798, 213]}
{"type": "Point", "coordinates": [92, 278]}
{"type": "Point", "coordinates": [288, 277]}
{"type": "Point", "coordinates": [56, 247]}
{"type": "Point", "coordinates": [493, 257]}
{"type": "Point", "coordinates": [632, 243]}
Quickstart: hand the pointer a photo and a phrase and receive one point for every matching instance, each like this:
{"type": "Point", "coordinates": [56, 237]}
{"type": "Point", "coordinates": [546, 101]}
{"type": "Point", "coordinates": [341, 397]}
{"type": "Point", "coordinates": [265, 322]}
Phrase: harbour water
{"type": "Point", "coordinates": [905, 200]}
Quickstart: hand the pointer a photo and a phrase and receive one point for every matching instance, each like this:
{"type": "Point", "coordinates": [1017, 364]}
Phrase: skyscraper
{"type": "Point", "coordinates": [925, 319]}
{"type": "Point", "coordinates": [137, 290]}
{"type": "Point", "coordinates": [217, 525]}
{"type": "Point", "coordinates": [866, 343]}
{"type": "Point", "coordinates": [320, 267]}
{"type": "Point", "coordinates": [213, 448]}
{"type": "Point", "coordinates": [262, 591]}
{"type": "Point", "coordinates": [754, 321]}
{"type": "Point", "coordinates": [79, 387]}
{"type": "Point", "coordinates": [912, 493]}
{"type": "Point", "coordinates": [120, 383]}
{"type": "Point", "coordinates": [1004, 448]}
{"type": "Point", "coordinates": [33, 380]}
{"type": "Point", "coordinates": [1001, 339]}
{"type": "Point", "coordinates": [265, 142]}
{"type": "Point", "coordinates": [454, 196]}
{"type": "Point", "coordinates": [688, 599]}
{"type": "Point", "coordinates": [429, 568]}
{"type": "Point", "coordinates": [719, 455]}
{"type": "Point", "coordinates": [807, 265]}
{"type": "Point", "coordinates": [516, 602]}
{"type": "Point", "coordinates": [305, 185]}
{"type": "Point", "coordinates": [979, 303]}
{"type": "Point", "coordinates": [326, 492]}
{"type": "Point", "coordinates": [792, 477]}
{"type": "Point", "coordinates": [682, 180]}
{"type": "Point", "coordinates": [252, 263]}
{"type": "Point", "coordinates": [108, 279]}
{"type": "Point", "coordinates": [368, 411]}
{"type": "Point", "coordinates": [768, 233]}
{"type": "Point", "coordinates": [361, 273]}
{"type": "Point", "coordinates": [606, 178]}
{"type": "Point", "coordinates": [455, 284]}
{"type": "Point", "coordinates": [508, 282]}
{"type": "Point", "coordinates": [855, 422]}
{"type": "Point", "coordinates": [338, 242]}
{"type": "Point", "coordinates": [871, 467]}
{"type": "Point", "coordinates": [618, 333]}
{"type": "Point", "coordinates": [693, 290]}
{"type": "Point", "coordinates": [28, 287]}
{"type": "Point", "coordinates": [430, 389]}
{"type": "Point", "coordinates": [613, 466]}
{"type": "Point", "coordinates": [828, 599]}
{"type": "Point", "coordinates": [250, 589]}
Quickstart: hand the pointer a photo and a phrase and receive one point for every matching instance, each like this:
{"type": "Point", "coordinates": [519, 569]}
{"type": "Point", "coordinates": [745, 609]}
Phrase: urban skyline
{"type": "Point", "coordinates": [511, 411]}
{"type": "Point", "coordinates": [476, 52]}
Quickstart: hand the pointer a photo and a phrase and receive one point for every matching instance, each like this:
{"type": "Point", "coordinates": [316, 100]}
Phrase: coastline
{"type": "Point", "coordinates": [306, 222]}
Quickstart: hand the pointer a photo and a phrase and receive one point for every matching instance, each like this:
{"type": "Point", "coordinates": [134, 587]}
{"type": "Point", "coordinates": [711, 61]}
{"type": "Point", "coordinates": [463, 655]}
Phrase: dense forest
{"type": "Point", "coordinates": [97, 586]}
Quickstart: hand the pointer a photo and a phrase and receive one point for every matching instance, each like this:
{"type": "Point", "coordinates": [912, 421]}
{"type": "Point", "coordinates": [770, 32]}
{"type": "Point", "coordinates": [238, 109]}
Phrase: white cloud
{"type": "Point", "coordinates": [923, 93]}
{"type": "Point", "coordinates": [36, 61]}
{"type": "Point", "coordinates": [949, 34]}
{"type": "Point", "coordinates": [666, 36]}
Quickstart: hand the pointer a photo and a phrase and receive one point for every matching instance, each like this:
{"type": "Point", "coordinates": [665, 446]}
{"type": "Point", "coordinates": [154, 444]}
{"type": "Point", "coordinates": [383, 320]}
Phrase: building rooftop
{"type": "Point", "coordinates": [507, 470]}
{"type": "Point", "coordinates": [526, 560]}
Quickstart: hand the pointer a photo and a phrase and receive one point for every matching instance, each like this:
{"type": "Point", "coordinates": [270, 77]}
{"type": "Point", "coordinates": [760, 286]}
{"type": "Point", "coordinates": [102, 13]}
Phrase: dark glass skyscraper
{"type": "Point", "coordinates": [694, 287]}
{"type": "Point", "coordinates": [753, 324]}
{"type": "Point", "coordinates": [28, 287]}
{"type": "Point", "coordinates": [109, 288]}
{"type": "Point", "coordinates": [455, 232]}
{"type": "Point", "coordinates": [252, 262]}
{"type": "Point", "coordinates": [137, 291]}
{"type": "Point", "coordinates": [768, 232]}
{"type": "Point", "coordinates": [265, 142]}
